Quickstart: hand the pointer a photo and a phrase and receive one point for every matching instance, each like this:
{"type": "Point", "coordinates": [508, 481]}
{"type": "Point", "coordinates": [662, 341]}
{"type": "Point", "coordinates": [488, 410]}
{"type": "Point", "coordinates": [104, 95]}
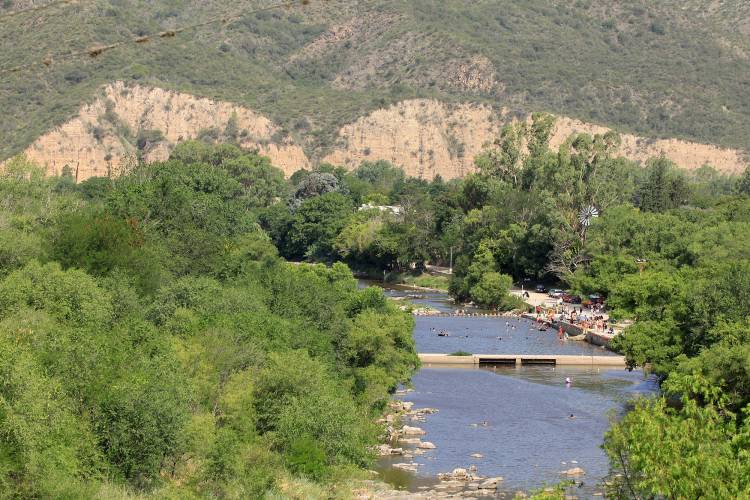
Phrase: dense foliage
{"type": "Point", "coordinates": [152, 341]}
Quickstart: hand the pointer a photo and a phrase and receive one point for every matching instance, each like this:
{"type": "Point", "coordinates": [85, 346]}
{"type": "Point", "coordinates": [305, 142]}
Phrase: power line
{"type": "Point", "coordinates": [98, 50]}
{"type": "Point", "coordinates": [37, 8]}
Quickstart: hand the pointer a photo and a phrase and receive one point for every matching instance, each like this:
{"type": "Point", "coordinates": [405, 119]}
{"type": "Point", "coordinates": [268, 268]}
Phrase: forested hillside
{"type": "Point", "coordinates": [152, 342]}
{"type": "Point", "coordinates": [663, 68]}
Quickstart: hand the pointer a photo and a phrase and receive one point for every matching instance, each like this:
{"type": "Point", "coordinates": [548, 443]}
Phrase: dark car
{"type": "Point", "coordinates": [595, 298]}
{"type": "Point", "coordinates": [541, 289]}
{"type": "Point", "coordinates": [571, 299]}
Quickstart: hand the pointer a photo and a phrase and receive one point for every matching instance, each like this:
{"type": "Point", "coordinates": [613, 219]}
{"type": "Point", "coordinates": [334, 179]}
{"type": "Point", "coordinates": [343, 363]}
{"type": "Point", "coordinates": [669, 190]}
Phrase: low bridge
{"type": "Point", "coordinates": [428, 359]}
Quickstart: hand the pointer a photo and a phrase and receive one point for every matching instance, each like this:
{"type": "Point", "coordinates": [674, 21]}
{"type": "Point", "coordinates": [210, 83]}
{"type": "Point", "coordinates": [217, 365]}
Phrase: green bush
{"type": "Point", "coordinates": [305, 457]}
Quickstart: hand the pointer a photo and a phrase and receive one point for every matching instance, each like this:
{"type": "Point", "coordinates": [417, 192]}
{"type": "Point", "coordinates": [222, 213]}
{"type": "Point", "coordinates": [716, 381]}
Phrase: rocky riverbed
{"type": "Point", "coordinates": [404, 439]}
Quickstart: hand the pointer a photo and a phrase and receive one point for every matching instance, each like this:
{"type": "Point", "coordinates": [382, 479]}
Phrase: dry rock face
{"type": "Point", "coordinates": [93, 143]}
{"type": "Point", "coordinates": [424, 137]}
{"type": "Point", "coordinates": [427, 137]}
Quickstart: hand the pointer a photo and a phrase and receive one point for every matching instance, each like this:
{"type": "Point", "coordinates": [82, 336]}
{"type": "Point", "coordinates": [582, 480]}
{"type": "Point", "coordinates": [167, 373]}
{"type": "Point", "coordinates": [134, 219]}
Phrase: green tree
{"type": "Point", "coordinates": [492, 290]}
{"type": "Point", "coordinates": [743, 185]}
{"type": "Point", "coordinates": [693, 452]}
{"type": "Point", "coordinates": [664, 187]}
{"type": "Point", "coordinates": [317, 223]}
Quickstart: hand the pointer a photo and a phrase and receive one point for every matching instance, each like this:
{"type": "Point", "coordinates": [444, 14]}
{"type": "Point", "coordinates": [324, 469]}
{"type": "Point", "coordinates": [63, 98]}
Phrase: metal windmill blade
{"type": "Point", "coordinates": [587, 214]}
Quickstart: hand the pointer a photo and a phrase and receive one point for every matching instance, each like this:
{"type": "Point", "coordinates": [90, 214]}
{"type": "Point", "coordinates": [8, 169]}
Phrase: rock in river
{"type": "Point", "coordinates": [491, 483]}
{"type": "Point", "coordinates": [426, 445]}
{"type": "Point", "coordinates": [575, 471]}
{"type": "Point", "coordinates": [410, 440]}
{"type": "Point", "coordinates": [407, 467]}
{"type": "Point", "coordinates": [412, 431]}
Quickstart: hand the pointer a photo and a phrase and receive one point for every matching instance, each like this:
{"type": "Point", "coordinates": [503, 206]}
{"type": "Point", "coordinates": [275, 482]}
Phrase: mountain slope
{"type": "Point", "coordinates": [659, 69]}
{"type": "Point", "coordinates": [425, 137]}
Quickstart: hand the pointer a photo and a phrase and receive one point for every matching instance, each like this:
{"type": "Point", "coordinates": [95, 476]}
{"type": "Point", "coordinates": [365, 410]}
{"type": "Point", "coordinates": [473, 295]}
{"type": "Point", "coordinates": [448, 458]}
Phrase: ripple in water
{"type": "Point", "coordinates": [528, 434]}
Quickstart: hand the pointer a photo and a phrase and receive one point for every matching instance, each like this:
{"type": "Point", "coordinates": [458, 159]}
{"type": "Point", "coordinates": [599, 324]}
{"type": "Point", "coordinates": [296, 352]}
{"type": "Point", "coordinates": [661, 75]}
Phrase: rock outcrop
{"type": "Point", "coordinates": [428, 137]}
{"type": "Point", "coordinates": [424, 137]}
{"type": "Point", "coordinates": [125, 121]}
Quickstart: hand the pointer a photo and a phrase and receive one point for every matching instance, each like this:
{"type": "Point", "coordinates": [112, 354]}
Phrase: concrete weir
{"type": "Point", "coordinates": [428, 359]}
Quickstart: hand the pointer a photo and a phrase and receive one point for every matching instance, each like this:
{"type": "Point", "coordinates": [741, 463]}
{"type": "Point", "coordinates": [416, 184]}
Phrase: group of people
{"type": "Point", "coordinates": [596, 321]}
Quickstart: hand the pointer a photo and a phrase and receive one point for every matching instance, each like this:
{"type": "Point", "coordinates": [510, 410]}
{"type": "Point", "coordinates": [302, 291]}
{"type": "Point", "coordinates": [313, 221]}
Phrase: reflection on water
{"type": "Point", "coordinates": [529, 436]}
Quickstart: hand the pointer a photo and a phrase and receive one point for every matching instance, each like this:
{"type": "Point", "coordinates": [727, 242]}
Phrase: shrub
{"type": "Point", "coordinates": [305, 457]}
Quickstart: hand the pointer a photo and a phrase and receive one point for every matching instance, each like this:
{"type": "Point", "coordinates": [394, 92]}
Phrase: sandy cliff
{"type": "Point", "coordinates": [424, 137]}
{"type": "Point", "coordinates": [104, 135]}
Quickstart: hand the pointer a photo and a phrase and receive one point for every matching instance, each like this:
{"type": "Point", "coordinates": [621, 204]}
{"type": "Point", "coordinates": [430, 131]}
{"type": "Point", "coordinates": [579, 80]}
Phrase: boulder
{"type": "Point", "coordinates": [383, 450]}
{"type": "Point", "coordinates": [575, 471]}
{"type": "Point", "coordinates": [490, 483]}
{"type": "Point", "coordinates": [412, 431]}
{"type": "Point", "coordinates": [410, 440]}
{"type": "Point", "coordinates": [459, 476]}
{"type": "Point", "coordinates": [406, 467]}
{"type": "Point", "coordinates": [426, 445]}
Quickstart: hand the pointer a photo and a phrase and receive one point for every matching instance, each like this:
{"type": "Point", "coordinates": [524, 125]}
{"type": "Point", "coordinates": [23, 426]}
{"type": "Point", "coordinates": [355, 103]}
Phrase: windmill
{"type": "Point", "coordinates": [585, 216]}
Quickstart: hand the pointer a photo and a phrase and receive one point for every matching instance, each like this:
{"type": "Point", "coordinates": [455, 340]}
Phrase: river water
{"type": "Point", "coordinates": [518, 419]}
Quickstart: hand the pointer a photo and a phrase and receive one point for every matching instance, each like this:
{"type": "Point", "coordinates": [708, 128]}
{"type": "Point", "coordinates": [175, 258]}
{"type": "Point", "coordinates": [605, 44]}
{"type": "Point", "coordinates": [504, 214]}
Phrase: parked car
{"type": "Point", "coordinates": [541, 289]}
{"type": "Point", "coordinates": [556, 293]}
{"type": "Point", "coordinates": [595, 298]}
{"type": "Point", "coordinates": [571, 299]}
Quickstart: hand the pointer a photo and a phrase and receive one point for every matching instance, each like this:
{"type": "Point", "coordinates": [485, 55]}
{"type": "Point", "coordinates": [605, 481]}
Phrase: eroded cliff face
{"type": "Point", "coordinates": [687, 155]}
{"type": "Point", "coordinates": [424, 137]}
{"type": "Point", "coordinates": [427, 137]}
{"type": "Point", "coordinates": [127, 121]}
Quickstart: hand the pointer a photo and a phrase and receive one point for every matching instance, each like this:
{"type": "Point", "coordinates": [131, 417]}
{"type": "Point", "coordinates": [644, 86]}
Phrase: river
{"type": "Point", "coordinates": [518, 419]}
